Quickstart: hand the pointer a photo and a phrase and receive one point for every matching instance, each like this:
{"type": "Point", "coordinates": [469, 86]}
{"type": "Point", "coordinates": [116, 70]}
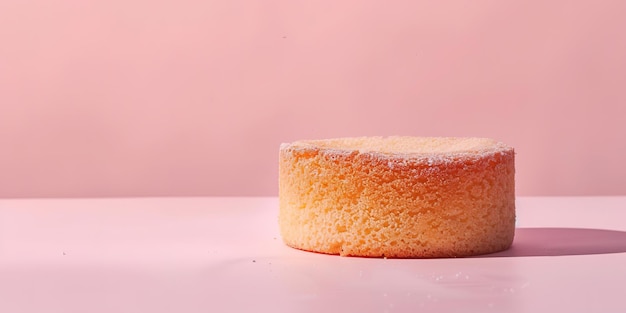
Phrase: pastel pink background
{"type": "Point", "coordinates": [179, 98]}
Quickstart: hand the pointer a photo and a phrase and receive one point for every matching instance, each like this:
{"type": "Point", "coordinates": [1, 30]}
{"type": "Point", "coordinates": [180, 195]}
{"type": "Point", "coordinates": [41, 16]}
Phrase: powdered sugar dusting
{"type": "Point", "coordinates": [429, 150]}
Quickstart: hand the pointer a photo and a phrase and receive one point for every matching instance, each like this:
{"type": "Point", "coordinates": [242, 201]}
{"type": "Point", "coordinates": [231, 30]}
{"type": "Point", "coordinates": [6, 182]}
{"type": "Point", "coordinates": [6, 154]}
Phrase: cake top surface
{"type": "Point", "coordinates": [408, 146]}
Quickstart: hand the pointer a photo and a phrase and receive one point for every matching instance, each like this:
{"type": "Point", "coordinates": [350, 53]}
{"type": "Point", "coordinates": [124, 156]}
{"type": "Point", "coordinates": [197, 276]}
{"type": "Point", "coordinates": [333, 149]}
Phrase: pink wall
{"type": "Point", "coordinates": [134, 98]}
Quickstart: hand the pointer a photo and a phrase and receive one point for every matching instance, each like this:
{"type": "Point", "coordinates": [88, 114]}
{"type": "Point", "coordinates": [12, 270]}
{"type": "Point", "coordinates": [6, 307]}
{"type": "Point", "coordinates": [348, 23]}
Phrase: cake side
{"type": "Point", "coordinates": [367, 203]}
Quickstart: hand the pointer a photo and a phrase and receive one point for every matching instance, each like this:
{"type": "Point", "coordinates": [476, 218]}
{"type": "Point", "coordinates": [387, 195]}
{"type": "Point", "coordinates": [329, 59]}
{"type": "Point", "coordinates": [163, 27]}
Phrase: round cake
{"type": "Point", "coordinates": [397, 197]}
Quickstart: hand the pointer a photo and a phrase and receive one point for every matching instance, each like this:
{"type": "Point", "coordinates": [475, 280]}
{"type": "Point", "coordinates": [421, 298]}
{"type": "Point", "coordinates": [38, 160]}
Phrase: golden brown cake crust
{"type": "Point", "coordinates": [397, 196]}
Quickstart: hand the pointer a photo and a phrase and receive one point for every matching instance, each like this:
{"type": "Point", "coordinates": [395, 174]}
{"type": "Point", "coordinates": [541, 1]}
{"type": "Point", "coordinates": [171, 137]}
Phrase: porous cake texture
{"type": "Point", "coordinates": [404, 197]}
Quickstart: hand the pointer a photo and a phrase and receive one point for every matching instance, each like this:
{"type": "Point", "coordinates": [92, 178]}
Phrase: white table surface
{"type": "Point", "coordinates": [225, 254]}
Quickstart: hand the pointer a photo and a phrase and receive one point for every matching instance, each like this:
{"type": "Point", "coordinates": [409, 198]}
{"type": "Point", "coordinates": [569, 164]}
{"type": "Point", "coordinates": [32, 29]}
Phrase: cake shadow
{"type": "Point", "coordinates": [563, 241]}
